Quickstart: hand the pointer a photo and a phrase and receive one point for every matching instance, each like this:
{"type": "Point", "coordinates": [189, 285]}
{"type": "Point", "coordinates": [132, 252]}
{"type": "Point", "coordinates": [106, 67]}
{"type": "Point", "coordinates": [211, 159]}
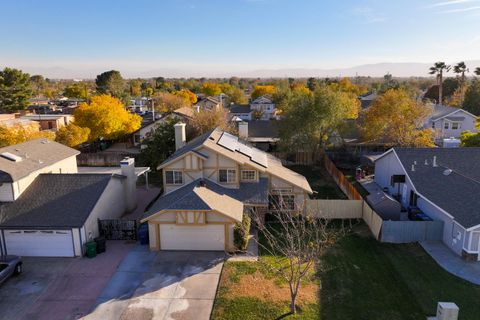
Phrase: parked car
{"type": "Point", "coordinates": [9, 265]}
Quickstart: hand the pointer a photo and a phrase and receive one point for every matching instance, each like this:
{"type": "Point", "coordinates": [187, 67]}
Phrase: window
{"type": "Point", "coordinates": [455, 125]}
{"type": "Point", "coordinates": [281, 202]}
{"type": "Point", "coordinates": [227, 175]}
{"type": "Point", "coordinates": [413, 198]}
{"type": "Point", "coordinates": [433, 125]}
{"type": "Point", "coordinates": [249, 175]}
{"type": "Point", "coordinates": [446, 125]}
{"type": "Point", "coordinates": [174, 177]}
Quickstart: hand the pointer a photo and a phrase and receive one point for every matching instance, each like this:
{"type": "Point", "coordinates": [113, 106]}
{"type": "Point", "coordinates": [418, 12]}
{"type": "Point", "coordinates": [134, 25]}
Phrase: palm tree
{"type": "Point", "coordinates": [477, 71]}
{"type": "Point", "coordinates": [461, 68]}
{"type": "Point", "coordinates": [438, 69]}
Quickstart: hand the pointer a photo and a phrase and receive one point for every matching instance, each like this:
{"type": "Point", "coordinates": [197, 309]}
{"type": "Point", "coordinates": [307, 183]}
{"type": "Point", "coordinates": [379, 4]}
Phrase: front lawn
{"type": "Point", "coordinates": [359, 278]}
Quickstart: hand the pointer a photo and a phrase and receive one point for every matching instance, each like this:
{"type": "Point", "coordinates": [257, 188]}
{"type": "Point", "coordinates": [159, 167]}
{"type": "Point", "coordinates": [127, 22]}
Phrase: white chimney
{"type": "Point", "coordinates": [434, 164]}
{"type": "Point", "coordinates": [243, 130]}
{"type": "Point", "coordinates": [180, 136]}
{"type": "Point", "coordinates": [127, 166]}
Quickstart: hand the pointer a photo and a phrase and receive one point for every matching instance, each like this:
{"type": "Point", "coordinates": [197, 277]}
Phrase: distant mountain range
{"type": "Point", "coordinates": [397, 69]}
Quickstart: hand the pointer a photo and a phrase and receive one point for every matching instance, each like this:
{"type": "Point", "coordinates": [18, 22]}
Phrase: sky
{"type": "Point", "coordinates": [214, 37]}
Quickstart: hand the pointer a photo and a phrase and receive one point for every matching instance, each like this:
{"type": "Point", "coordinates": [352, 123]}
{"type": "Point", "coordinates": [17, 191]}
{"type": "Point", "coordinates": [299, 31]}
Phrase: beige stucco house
{"type": "Point", "coordinates": [209, 183]}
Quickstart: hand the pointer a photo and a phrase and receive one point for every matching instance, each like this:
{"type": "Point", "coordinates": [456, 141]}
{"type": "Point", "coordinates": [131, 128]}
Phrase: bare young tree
{"type": "Point", "coordinates": [297, 242]}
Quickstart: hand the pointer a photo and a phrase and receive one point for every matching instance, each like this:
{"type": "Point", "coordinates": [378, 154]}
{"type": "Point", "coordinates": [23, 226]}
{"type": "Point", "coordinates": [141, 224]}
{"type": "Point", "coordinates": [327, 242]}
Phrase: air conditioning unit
{"type": "Point", "coordinates": [447, 311]}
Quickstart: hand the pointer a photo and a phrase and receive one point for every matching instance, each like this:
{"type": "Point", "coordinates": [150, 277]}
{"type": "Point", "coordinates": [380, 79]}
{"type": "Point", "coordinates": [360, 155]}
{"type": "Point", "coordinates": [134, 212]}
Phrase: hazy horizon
{"type": "Point", "coordinates": [251, 38]}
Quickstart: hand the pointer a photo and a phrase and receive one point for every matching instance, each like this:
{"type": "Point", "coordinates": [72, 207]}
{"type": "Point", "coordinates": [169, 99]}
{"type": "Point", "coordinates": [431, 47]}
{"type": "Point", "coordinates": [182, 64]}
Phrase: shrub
{"type": "Point", "coordinates": [241, 230]}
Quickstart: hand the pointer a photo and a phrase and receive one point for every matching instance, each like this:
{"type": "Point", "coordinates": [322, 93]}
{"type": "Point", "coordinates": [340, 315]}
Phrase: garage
{"type": "Point", "coordinates": [46, 243]}
{"type": "Point", "coordinates": [207, 237]}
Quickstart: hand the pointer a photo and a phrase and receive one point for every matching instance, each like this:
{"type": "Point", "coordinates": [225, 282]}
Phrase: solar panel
{"type": "Point", "coordinates": [232, 143]}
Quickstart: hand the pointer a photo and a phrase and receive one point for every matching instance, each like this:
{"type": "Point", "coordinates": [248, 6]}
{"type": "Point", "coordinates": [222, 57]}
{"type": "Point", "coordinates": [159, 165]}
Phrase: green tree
{"type": "Point", "coordinates": [110, 82]}
{"type": "Point", "coordinates": [159, 145]}
{"type": "Point", "coordinates": [38, 83]}
{"type": "Point", "coordinates": [471, 101]}
{"type": "Point", "coordinates": [470, 139]}
{"type": "Point", "coordinates": [449, 86]}
{"type": "Point", "coordinates": [106, 118]}
{"type": "Point", "coordinates": [79, 90]}
{"type": "Point", "coordinates": [312, 84]}
{"type": "Point", "coordinates": [312, 118]}
{"type": "Point", "coordinates": [15, 90]}
{"type": "Point", "coordinates": [477, 71]}
{"type": "Point", "coordinates": [438, 69]}
{"type": "Point", "coordinates": [135, 87]}
{"type": "Point", "coordinates": [461, 68]}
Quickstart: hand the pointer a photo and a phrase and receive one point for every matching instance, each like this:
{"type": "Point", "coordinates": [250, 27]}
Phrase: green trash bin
{"type": "Point", "coordinates": [91, 249]}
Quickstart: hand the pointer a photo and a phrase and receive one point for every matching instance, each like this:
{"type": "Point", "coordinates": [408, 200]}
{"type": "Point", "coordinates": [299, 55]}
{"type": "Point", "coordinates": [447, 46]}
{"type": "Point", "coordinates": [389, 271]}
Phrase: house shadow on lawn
{"type": "Point", "coordinates": [155, 285]}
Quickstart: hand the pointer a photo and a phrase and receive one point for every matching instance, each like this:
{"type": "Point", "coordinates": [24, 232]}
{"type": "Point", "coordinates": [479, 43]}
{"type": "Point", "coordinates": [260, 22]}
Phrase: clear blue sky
{"type": "Point", "coordinates": [235, 35]}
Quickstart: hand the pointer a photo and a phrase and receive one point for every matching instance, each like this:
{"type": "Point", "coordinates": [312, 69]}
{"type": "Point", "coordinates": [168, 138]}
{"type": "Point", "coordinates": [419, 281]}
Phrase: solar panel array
{"type": "Point", "coordinates": [232, 143]}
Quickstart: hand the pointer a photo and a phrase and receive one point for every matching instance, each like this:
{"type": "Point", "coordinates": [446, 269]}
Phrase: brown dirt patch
{"type": "Point", "coordinates": [257, 286]}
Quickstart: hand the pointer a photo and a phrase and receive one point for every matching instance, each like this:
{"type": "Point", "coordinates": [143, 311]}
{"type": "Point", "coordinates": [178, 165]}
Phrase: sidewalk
{"type": "Point", "coordinates": [467, 270]}
{"type": "Point", "coordinates": [252, 249]}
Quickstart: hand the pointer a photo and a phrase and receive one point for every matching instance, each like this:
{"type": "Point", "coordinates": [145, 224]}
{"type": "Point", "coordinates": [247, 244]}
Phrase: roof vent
{"type": "Point", "coordinates": [11, 157]}
{"type": "Point", "coordinates": [426, 162]}
{"type": "Point", "coordinates": [202, 183]}
{"type": "Point", "coordinates": [447, 172]}
{"type": "Point", "coordinates": [434, 163]}
{"type": "Point", "coordinates": [413, 167]}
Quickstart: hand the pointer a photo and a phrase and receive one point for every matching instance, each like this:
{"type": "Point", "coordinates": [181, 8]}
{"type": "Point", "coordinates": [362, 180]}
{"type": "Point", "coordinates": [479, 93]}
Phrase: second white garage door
{"type": "Point", "coordinates": [41, 243]}
{"type": "Point", "coordinates": [208, 237]}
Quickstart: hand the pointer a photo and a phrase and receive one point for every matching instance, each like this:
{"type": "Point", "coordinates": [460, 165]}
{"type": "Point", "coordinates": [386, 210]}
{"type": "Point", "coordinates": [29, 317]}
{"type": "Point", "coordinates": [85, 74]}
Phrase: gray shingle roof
{"type": "Point", "coordinates": [55, 201]}
{"type": "Point", "coordinates": [185, 199]}
{"type": "Point", "coordinates": [457, 193]}
{"type": "Point", "coordinates": [240, 108]}
{"type": "Point", "coordinates": [36, 154]}
{"type": "Point", "coordinates": [441, 111]}
{"type": "Point", "coordinates": [263, 129]}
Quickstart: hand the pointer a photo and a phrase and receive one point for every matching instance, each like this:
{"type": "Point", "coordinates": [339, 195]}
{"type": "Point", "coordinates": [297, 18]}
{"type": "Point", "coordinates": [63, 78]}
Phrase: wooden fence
{"type": "Point", "coordinates": [100, 159]}
{"type": "Point", "coordinates": [299, 157]}
{"type": "Point", "coordinates": [411, 231]}
{"type": "Point", "coordinates": [341, 180]}
{"type": "Point", "coordinates": [372, 219]}
{"type": "Point", "coordinates": [335, 209]}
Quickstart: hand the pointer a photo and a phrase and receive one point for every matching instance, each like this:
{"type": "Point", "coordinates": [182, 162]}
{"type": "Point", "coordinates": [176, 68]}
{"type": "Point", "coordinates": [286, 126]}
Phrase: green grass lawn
{"type": "Point", "coordinates": [359, 278]}
{"type": "Point", "coordinates": [320, 181]}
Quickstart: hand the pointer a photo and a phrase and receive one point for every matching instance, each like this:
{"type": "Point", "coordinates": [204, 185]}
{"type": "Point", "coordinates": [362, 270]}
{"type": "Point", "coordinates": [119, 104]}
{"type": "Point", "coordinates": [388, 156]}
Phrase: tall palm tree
{"type": "Point", "coordinates": [438, 68]}
{"type": "Point", "coordinates": [477, 71]}
{"type": "Point", "coordinates": [461, 68]}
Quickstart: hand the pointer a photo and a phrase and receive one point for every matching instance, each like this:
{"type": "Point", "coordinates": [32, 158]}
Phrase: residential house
{"type": "Point", "coordinates": [209, 104]}
{"type": "Point", "coordinates": [449, 122]}
{"type": "Point", "coordinates": [47, 208]}
{"type": "Point", "coordinates": [210, 183]}
{"type": "Point", "coordinates": [261, 108]}
{"type": "Point", "coordinates": [50, 121]}
{"type": "Point", "coordinates": [442, 183]}
{"type": "Point", "coordinates": [366, 99]}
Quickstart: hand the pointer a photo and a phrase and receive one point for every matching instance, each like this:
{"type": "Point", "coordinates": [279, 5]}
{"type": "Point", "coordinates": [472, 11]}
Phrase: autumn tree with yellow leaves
{"type": "Point", "coordinates": [211, 89]}
{"type": "Point", "coordinates": [72, 135]}
{"type": "Point", "coordinates": [21, 132]}
{"type": "Point", "coordinates": [259, 91]}
{"type": "Point", "coordinates": [106, 118]}
{"type": "Point", "coordinates": [188, 96]}
{"type": "Point", "coordinates": [397, 119]}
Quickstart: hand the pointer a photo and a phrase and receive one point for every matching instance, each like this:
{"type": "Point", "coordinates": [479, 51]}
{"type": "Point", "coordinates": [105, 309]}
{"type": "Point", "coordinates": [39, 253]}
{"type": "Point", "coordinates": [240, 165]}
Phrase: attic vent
{"type": "Point", "coordinates": [11, 157]}
{"type": "Point", "coordinates": [447, 172]}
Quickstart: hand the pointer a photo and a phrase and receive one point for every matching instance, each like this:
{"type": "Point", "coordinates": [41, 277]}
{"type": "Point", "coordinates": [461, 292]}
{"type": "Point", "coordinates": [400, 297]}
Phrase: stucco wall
{"type": "Point", "coordinates": [111, 205]}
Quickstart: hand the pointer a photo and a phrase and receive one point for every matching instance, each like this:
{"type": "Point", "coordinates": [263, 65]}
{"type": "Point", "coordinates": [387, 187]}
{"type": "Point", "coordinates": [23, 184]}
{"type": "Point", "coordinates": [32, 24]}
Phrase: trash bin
{"type": "Point", "coordinates": [101, 244]}
{"type": "Point", "coordinates": [143, 234]}
{"type": "Point", "coordinates": [91, 249]}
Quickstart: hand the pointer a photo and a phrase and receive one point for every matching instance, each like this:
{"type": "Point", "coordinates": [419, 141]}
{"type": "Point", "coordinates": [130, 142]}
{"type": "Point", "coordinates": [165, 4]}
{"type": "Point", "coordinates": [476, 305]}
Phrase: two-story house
{"type": "Point", "coordinates": [444, 184]}
{"type": "Point", "coordinates": [261, 108]}
{"type": "Point", "coordinates": [449, 122]}
{"type": "Point", "coordinates": [209, 183]}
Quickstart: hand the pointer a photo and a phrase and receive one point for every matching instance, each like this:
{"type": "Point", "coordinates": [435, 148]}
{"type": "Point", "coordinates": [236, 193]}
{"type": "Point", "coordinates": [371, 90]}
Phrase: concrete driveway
{"type": "Point", "coordinates": [162, 285]}
{"type": "Point", "coordinates": [59, 288]}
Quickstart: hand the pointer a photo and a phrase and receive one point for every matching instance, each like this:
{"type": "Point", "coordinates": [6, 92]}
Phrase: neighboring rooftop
{"type": "Point", "coordinates": [263, 129]}
{"type": "Point", "coordinates": [240, 108]}
{"type": "Point", "coordinates": [185, 111]}
{"type": "Point", "coordinates": [35, 155]}
{"type": "Point", "coordinates": [55, 201]}
{"type": "Point", "coordinates": [454, 191]}
{"type": "Point", "coordinates": [440, 111]}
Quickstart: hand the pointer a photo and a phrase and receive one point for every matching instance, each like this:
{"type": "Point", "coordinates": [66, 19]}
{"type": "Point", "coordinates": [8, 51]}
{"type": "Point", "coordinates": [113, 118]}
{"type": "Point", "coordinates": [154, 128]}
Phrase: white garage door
{"type": "Point", "coordinates": [42, 243]}
{"type": "Point", "coordinates": [208, 237]}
